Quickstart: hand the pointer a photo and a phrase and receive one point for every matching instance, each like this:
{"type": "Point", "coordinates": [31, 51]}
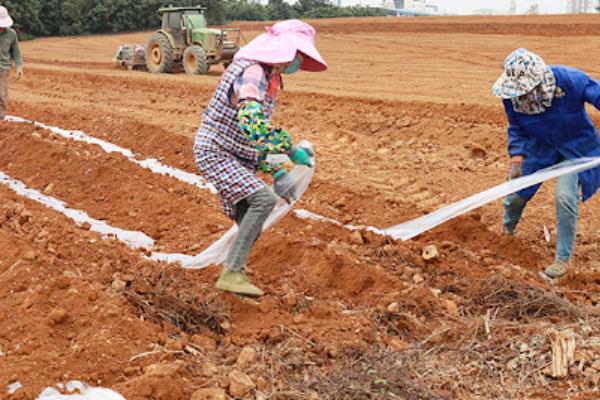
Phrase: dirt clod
{"type": "Point", "coordinates": [163, 370]}
{"type": "Point", "coordinates": [239, 383]}
{"type": "Point", "coordinates": [118, 284]}
{"type": "Point", "coordinates": [357, 238]}
{"type": "Point", "coordinates": [430, 253]}
{"type": "Point", "coordinates": [246, 358]}
{"type": "Point", "coordinates": [394, 308]}
{"type": "Point", "coordinates": [209, 369]}
{"type": "Point", "coordinates": [57, 316]}
{"type": "Point", "coordinates": [49, 189]}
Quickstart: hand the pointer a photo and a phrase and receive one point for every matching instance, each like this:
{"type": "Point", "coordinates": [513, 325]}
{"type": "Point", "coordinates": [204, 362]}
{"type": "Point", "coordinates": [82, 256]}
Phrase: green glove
{"type": "Point", "coordinates": [301, 156]}
{"type": "Point", "coordinates": [284, 186]}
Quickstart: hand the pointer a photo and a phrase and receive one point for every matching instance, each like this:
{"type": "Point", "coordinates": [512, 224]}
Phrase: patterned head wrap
{"type": "Point", "coordinates": [527, 82]}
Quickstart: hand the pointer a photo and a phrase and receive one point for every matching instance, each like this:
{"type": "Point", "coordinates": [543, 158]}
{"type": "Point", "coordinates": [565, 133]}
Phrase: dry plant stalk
{"type": "Point", "coordinates": [563, 352]}
{"type": "Point", "coordinates": [521, 301]}
{"type": "Point", "coordinates": [191, 316]}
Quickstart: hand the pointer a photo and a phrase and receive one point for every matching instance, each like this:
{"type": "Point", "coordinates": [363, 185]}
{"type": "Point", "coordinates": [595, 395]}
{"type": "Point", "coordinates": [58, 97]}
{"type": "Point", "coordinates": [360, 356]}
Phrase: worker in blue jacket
{"type": "Point", "coordinates": [548, 123]}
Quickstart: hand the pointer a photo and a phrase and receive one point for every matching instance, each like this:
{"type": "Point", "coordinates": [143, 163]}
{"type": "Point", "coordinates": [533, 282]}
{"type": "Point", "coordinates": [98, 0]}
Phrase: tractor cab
{"type": "Point", "coordinates": [177, 20]}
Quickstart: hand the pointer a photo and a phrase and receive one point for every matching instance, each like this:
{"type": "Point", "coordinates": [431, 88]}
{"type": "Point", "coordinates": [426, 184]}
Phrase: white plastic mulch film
{"type": "Point", "coordinates": [79, 391]}
{"type": "Point", "coordinates": [415, 227]}
{"type": "Point", "coordinates": [215, 254]}
{"type": "Point", "coordinates": [301, 176]}
{"type": "Point", "coordinates": [149, 163]}
{"type": "Point", "coordinates": [133, 239]}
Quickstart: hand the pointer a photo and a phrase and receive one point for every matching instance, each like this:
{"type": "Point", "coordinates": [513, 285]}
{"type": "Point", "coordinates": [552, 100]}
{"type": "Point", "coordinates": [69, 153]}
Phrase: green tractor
{"type": "Point", "coordinates": [185, 39]}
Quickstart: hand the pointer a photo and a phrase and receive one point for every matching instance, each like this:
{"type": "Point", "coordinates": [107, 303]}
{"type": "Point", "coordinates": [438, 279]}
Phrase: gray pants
{"type": "Point", "coordinates": [3, 93]}
{"type": "Point", "coordinates": [250, 215]}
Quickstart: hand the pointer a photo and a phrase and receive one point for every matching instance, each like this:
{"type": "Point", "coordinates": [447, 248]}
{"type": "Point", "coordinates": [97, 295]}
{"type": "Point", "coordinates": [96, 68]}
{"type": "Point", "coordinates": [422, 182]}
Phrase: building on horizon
{"type": "Point", "coordinates": [419, 6]}
{"type": "Point", "coordinates": [581, 6]}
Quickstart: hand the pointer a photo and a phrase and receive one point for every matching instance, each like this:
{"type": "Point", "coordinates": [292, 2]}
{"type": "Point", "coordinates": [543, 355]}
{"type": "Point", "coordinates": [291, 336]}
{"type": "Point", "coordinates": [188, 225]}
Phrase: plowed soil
{"type": "Point", "coordinates": [403, 122]}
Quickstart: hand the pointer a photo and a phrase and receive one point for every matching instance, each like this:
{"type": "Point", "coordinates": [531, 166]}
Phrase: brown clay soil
{"type": "Point", "coordinates": [403, 123]}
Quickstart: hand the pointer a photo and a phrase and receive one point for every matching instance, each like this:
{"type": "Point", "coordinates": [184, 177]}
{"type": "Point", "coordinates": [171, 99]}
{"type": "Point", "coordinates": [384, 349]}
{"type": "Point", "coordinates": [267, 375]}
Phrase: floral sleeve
{"type": "Point", "coordinates": [266, 138]}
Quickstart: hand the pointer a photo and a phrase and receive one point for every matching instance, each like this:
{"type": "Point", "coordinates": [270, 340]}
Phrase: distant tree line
{"type": "Point", "coordinates": [76, 17]}
{"type": "Point", "coordinates": [247, 10]}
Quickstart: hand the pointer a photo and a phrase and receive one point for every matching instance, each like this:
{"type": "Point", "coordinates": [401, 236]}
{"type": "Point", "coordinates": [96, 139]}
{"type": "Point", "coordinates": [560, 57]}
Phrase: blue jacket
{"type": "Point", "coordinates": [562, 132]}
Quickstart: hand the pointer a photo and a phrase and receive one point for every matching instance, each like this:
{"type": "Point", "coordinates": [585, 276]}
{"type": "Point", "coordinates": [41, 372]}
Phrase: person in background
{"type": "Point", "coordinates": [236, 136]}
{"type": "Point", "coordinates": [548, 124]}
{"type": "Point", "coordinates": [9, 54]}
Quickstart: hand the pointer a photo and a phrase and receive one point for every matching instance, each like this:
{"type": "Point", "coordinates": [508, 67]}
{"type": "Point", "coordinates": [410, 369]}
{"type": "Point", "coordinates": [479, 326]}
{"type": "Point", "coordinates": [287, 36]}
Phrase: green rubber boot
{"type": "Point", "coordinates": [237, 282]}
{"type": "Point", "coordinates": [556, 270]}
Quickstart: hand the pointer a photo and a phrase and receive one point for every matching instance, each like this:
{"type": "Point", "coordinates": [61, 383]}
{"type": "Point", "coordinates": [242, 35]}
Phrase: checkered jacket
{"type": "Point", "coordinates": [223, 154]}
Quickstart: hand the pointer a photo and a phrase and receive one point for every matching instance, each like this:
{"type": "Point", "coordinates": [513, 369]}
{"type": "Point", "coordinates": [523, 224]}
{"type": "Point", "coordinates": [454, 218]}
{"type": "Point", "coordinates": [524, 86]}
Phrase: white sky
{"type": "Point", "coordinates": [467, 6]}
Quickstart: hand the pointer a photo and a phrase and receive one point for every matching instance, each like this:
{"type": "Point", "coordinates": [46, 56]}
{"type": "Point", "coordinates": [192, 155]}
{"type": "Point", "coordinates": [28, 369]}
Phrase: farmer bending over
{"type": "Point", "coordinates": [548, 123]}
{"type": "Point", "coordinates": [236, 136]}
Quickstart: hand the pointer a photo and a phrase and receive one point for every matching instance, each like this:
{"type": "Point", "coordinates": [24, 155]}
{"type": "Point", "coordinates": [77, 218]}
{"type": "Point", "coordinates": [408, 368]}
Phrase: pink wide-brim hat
{"type": "Point", "coordinates": [5, 19]}
{"type": "Point", "coordinates": [280, 44]}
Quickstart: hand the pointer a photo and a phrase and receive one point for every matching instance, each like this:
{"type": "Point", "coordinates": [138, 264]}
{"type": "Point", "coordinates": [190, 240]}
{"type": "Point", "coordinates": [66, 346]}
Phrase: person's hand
{"type": "Point", "coordinates": [515, 169]}
{"type": "Point", "coordinates": [301, 156]}
{"type": "Point", "coordinates": [284, 186]}
{"type": "Point", "coordinates": [20, 73]}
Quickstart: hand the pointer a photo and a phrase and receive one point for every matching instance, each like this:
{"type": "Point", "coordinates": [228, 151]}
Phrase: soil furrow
{"type": "Point", "coordinates": [180, 217]}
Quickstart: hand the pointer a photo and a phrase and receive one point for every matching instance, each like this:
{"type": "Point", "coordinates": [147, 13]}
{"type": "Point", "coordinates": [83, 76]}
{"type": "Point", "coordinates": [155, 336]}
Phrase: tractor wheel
{"type": "Point", "coordinates": [159, 54]}
{"type": "Point", "coordinates": [194, 60]}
